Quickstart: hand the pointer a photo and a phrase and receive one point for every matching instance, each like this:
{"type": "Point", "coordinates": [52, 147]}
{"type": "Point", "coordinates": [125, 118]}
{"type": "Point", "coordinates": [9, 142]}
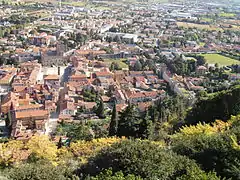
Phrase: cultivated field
{"type": "Point", "coordinates": [221, 60]}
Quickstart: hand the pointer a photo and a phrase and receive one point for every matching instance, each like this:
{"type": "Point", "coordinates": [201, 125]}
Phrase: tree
{"type": "Point", "coordinates": [214, 147]}
{"type": "Point", "coordinates": [109, 39]}
{"type": "Point", "coordinates": [33, 32]}
{"type": "Point", "coordinates": [219, 105]}
{"type": "Point", "coordinates": [146, 127]}
{"type": "Point", "coordinates": [42, 148]}
{"type": "Point", "coordinates": [114, 66]}
{"type": "Point", "coordinates": [75, 131]}
{"type": "Point", "coordinates": [138, 66]}
{"type": "Point", "coordinates": [42, 170]}
{"type": "Point", "coordinates": [1, 33]}
{"type": "Point", "coordinates": [150, 63]}
{"type": "Point", "coordinates": [11, 152]}
{"type": "Point", "coordinates": [129, 122]}
{"type": "Point", "coordinates": [201, 60]}
{"type": "Point", "coordinates": [86, 149]}
{"type": "Point", "coordinates": [100, 109]}
{"type": "Point", "coordinates": [109, 175]}
{"type": "Point", "coordinates": [145, 159]}
{"type": "Point", "coordinates": [114, 122]}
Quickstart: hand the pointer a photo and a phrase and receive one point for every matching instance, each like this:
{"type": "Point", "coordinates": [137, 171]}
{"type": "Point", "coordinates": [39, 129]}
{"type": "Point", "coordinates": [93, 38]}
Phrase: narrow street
{"type": "Point", "coordinates": [52, 123]}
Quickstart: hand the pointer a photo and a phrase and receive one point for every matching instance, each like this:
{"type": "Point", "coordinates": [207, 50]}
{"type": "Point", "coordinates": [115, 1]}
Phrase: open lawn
{"type": "Point", "coordinates": [206, 19]}
{"type": "Point", "coordinates": [199, 26]}
{"type": "Point", "coordinates": [119, 61]}
{"type": "Point", "coordinates": [42, 1]}
{"type": "Point", "coordinates": [227, 14]}
{"type": "Point", "coordinates": [74, 3]}
{"type": "Point", "coordinates": [98, 7]}
{"type": "Point", "coordinates": [221, 60]}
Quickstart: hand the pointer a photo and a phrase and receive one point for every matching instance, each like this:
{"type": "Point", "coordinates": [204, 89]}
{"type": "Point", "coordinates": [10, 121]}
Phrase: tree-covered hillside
{"type": "Point", "coordinates": [165, 142]}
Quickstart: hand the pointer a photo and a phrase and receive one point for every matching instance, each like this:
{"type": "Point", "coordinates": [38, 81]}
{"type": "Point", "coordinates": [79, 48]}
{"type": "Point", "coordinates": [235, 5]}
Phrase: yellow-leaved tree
{"type": "Point", "coordinates": [84, 149]}
{"type": "Point", "coordinates": [235, 143]}
{"type": "Point", "coordinates": [41, 147]}
{"type": "Point", "coordinates": [64, 155]}
{"type": "Point", "coordinates": [12, 152]}
{"type": "Point", "coordinates": [202, 128]}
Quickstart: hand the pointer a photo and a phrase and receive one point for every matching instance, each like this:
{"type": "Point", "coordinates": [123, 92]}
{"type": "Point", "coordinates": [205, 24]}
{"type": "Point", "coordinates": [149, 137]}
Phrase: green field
{"type": "Point", "coordinates": [74, 3]}
{"type": "Point", "coordinates": [227, 14]}
{"type": "Point", "coordinates": [199, 26]}
{"type": "Point", "coordinates": [119, 61]}
{"type": "Point", "coordinates": [221, 60]}
{"type": "Point", "coordinates": [206, 19]}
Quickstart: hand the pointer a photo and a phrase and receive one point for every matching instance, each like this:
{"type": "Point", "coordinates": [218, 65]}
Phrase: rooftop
{"type": "Point", "coordinates": [32, 113]}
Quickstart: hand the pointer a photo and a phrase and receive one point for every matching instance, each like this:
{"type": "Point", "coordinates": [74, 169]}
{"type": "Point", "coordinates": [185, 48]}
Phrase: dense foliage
{"type": "Point", "coordinates": [188, 145]}
{"type": "Point", "coordinates": [40, 171]}
{"type": "Point", "coordinates": [220, 105]}
{"type": "Point", "coordinates": [82, 131]}
{"type": "Point", "coordinates": [133, 124]}
{"type": "Point", "coordinates": [215, 147]}
{"type": "Point", "coordinates": [108, 175]}
{"type": "Point", "coordinates": [146, 159]}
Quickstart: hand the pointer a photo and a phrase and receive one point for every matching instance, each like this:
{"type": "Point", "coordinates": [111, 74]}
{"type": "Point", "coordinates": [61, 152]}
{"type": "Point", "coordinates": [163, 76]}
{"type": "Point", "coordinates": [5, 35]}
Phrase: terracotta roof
{"type": "Point", "coordinates": [77, 84]}
{"type": "Point", "coordinates": [137, 95]}
{"type": "Point", "coordinates": [152, 77]}
{"type": "Point", "coordinates": [143, 105]}
{"type": "Point", "coordinates": [67, 105]}
{"type": "Point", "coordinates": [29, 106]}
{"type": "Point", "coordinates": [120, 107]}
{"type": "Point", "coordinates": [135, 72]}
{"type": "Point", "coordinates": [103, 74]}
{"type": "Point", "coordinates": [19, 88]}
{"type": "Point", "coordinates": [105, 98]}
{"type": "Point", "coordinates": [86, 52]}
{"type": "Point", "coordinates": [65, 118]}
{"type": "Point", "coordinates": [149, 72]}
{"type": "Point", "coordinates": [151, 94]}
{"type": "Point", "coordinates": [78, 76]}
{"type": "Point", "coordinates": [52, 77]}
{"type": "Point", "coordinates": [32, 113]}
{"type": "Point", "coordinates": [6, 79]}
{"type": "Point", "coordinates": [88, 105]}
{"type": "Point", "coordinates": [140, 78]}
{"type": "Point", "coordinates": [11, 96]}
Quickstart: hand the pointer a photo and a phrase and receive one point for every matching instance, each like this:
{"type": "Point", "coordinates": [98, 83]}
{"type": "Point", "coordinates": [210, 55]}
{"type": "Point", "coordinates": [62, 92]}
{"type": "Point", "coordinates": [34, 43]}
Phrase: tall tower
{"type": "Point", "coordinates": [60, 49]}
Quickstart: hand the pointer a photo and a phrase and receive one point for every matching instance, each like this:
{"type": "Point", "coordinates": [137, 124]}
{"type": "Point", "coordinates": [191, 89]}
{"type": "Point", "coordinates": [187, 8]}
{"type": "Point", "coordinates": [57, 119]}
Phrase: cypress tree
{"type": "Point", "coordinates": [100, 110]}
{"type": "Point", "coordinates": [129, 122]}
{"type": "Point", "coordinates": [138, 66]}
{"type": "Point", "coordinates": [146, 127]}
{"type": "Point", "coordinates": [114, 122]}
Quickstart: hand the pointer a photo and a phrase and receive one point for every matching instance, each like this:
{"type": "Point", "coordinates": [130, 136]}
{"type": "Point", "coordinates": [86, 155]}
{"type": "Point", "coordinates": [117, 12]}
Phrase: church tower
{"type": "Point", "coordinates": [60, 49]}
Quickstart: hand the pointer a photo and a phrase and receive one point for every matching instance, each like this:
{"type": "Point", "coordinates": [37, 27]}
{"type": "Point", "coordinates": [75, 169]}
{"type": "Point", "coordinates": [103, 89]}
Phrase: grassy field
{"type": "Point", "coordinates": [199, 26]}
{"type": "Point", "coordinates": [77, 4]}
{"type": "Point", "coordinates": [98, 7]}
{"type": "Point", "coordinates": [221, 60]}
{"type": "Point", "coordinates": [227, 14]}
{"type": "Point", "coordinates": [207, 19]}
{"type": "Point", "coordinates": [119, 61]}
